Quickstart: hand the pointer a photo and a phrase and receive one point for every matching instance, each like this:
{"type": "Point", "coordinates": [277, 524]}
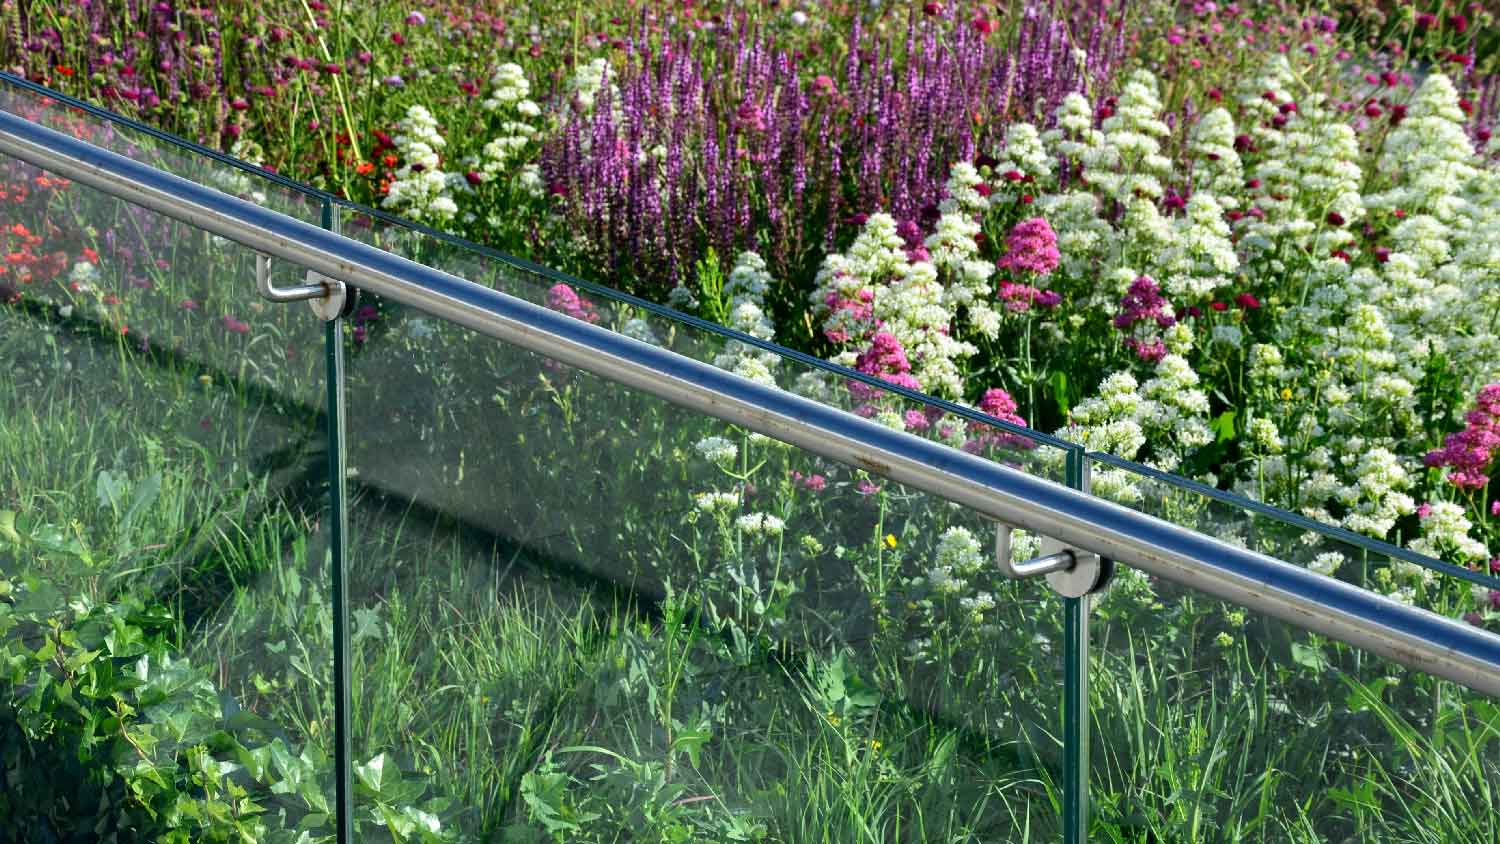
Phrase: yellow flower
{"type": "Point", "coordinates": [1286, 393]}
{"type": "Point", "coordinates": [834, 719]}
{"type": "Point", "coordinates": [890, 540]}
{"type": "Point", "coordinates": [875, 744]}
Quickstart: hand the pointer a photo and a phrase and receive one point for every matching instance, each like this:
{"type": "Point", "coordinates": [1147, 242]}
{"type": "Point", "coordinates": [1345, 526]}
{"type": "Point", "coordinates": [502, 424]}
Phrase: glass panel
{"type": "Point", "coordinates": [1214, 724]}
{"type": "Point", "coordinates": [1017, 448]}
{"type": "Point", "coordinates": [1409, 577]}
{"type": "Point", "coordinates": [583, 614]}
{"type": "Point", "coordinates": [163, 602]}
{"type": "Point", "coordinates": [118, 137]}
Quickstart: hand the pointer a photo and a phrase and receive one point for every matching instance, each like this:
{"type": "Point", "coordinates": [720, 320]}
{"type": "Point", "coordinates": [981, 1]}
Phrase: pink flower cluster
{"type": "Point", "coordinates": [1031, 247]}
{"type": "Point", "coordinates": [848, 315]}
{"type": "Point", "coordinates": [885, 359]}
{"type": "Point", "coordinates": [1020, 297]}
{"type": "Point", "coordinates": [565, 299]}
{"type": "Point", "coordinates": [1144, 304]}
{"type": "Point", "coordinates": [811, 483]}
{"type": "Point", "coordinates": [999, 404]}
{"type": "Point", "coordinates": [1469, 452]}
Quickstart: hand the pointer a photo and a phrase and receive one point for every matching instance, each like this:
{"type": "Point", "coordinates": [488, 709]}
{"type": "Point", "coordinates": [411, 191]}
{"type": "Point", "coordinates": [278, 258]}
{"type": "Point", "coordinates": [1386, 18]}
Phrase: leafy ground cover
{"type": "Point", "coordinates": [1252, 245]}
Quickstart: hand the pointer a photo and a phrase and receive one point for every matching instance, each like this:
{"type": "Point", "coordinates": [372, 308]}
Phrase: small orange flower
{"type": "Point", "coordinates": [64, 70]}
{"type": "Point", "coordinates": [364, 168]}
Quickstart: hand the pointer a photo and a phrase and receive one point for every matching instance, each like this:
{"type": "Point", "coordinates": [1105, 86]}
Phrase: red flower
{"type": "Point", "coordinates": [64, 70]}
{"type": "Point", "coordinates": [1247, 301]}
{"type": "Point", "coordinates": [364, 168]}
{"type": "Point", "coordinates": [1219, 306]}
{"type": "Point", "coordinates": [1335, 218]}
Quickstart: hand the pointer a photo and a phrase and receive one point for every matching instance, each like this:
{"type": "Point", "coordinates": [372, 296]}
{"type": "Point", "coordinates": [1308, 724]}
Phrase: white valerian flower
{"type": "Point", "coordinates": [873, 285]}
{"type": "Point", "coordinates": [640, 329]}
{"type": "Point", "coordinates": [716, 502]}
{"type": "Point", "coordinates": [1326, 563]}
{"type": "Point", "coordinates": [717, 450]}
{"type": "Point", "coordinates": [1129, 164]}
{"type": "Point", "coordinates": [1445, 535]}
{"type": "Point", "coordinates": [745, 290]}
{"type": "Point", "coordinates": [420, 189]}
{"type": "Point", "coordinates": [1216, 164]}
{"type": "Point", "coordinates": [959, 552]}
{"type": "Point", "coordinates": [760, 523]}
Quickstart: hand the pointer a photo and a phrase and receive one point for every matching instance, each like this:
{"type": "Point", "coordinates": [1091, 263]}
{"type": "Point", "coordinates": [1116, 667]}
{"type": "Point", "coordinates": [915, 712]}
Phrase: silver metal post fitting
{"type": "Point", "coordinates": [326, 296]}
{"type": "Point", "coordinates": [1070, 572]}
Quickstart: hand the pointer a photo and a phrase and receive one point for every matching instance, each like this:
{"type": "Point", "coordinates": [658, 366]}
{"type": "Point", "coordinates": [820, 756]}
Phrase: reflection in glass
{"type": "Point", "coordinates": [583, 613]}
{"type": "Point", "coordinates": [163, 608]}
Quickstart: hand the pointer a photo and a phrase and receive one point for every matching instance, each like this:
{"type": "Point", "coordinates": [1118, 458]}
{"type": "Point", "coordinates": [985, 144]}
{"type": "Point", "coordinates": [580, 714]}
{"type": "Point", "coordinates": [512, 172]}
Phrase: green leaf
{"type": "Point", "coordinates": [373, 773]}
{"type": "Point", "coordinates": [8, 527]}
{"type": "Point", "coordinates": [146, 493]}
{"type": "Point", "coordinates": [367, 625]}
{"type": "Point", "coordinates": [1308, 656]}
{"type": "Point", "coordinates": [1223, 426]}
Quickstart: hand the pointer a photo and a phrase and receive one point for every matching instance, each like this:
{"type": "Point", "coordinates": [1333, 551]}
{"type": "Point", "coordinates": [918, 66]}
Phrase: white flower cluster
{"type": "Point", "coordinates": [760, 524]}
{"type": "Point", "coordinates": [873, 285]}
{"type": "Point", "coordinates": [745, 291]}
{"type": "Point", "coordinates": [421, 190]}
{"type": "Point", "coordinates": [959, 557]}
{"type": "Point", "coordinates": [717, 450]}
{"type": "Point", "coordinates": [1216, 164]}
{"type": "Point", "coordinates": [1430, 154]}
{"type": "Point", "coordinates": [716, 502]}
{"type": "Point", "coordinates": [1130, 162]}
{"type": "Point", "coordinates": [1074, 138]}
{"type": "Point", "coordinates": [588, 80]}
{"type": "Point", "coordinates": [509, 99]}
{"type": "Point", "coordinates": [1169, 413]}
{"type": "Point", "coordinates": [953, 250]}
{"type": "Point", "coordinates": [1445, 535]}
{"type": "Point", "coordinates": [1197, 258]}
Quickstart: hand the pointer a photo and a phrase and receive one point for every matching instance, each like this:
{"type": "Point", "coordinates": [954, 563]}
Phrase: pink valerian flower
{"type": "Point", "coordinates": [885, 359]}
{"type": "Point", "coordinates": [811, 483]}
{"type": "Point", "coordinates": [235, 326]}
{"type": "Point", "coordinates": [999, 404]}
{"type": "Point", "coordinates": [1469, 453]}
{"type": "Point", "coordinates": [1020, 297]}
{"type": "Point", "coordinates": [867, 488]}
{"type": "Point", "coordinates": [849, 318]}
{"type": "Point", "coordinates": [1143, 302]}
{"type": "Point", "coordinates": [1150, 351]}
{"type": "Point", "coordinates": [1031, 246]}
{"type": "Point", "coordinates": [1143, 307]}
{"type": "Point", "coordinates": [566, 300]}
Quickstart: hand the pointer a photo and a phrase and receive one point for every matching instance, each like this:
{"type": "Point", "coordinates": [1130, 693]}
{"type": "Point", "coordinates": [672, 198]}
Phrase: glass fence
{"type": "Point", "coordinates": [392, 579]}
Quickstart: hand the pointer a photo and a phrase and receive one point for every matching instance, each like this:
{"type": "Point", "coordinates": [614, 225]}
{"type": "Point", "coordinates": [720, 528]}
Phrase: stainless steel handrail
{"type": "Point", "coordinates": [1410, 636]}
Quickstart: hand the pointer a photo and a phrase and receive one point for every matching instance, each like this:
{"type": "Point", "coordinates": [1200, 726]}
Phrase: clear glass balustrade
{"type": "Point", "coordinates": [523, 602]}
